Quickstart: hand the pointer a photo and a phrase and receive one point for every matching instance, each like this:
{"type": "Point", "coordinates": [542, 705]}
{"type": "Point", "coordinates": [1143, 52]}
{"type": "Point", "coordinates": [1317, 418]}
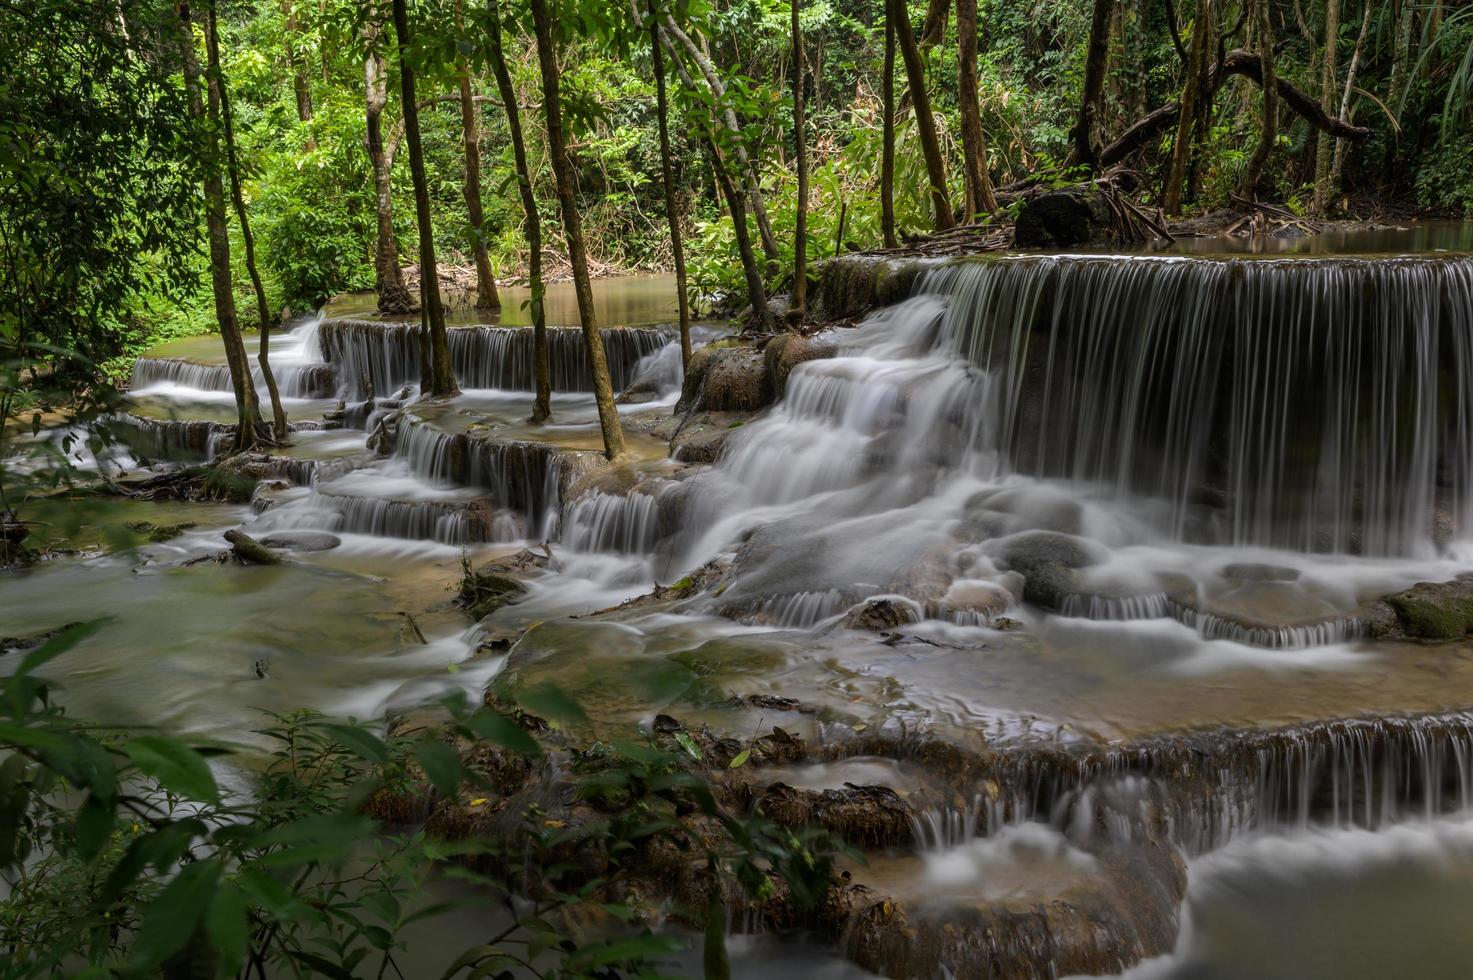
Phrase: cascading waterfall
{"type": "Point", "coordinates": [378, 357]}
{"type": "Point", "coordinates": [1310, 405]}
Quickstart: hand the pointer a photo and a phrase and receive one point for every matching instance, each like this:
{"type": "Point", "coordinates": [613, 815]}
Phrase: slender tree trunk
{"type": "Point", "coordinates": [562, 172]}
{"type": "Point", "coordinates": [887, 138]}
{"type": "Point", "coordinates": [1337, 168]}
{"type": "Point", "coordinates": [438, 381]}
{"type": "Point", "coordinates": [974, 140]}
{"type": "Point", "coordinates": [933, 25]}
{"type": "Point", "coordinates": [206, 116]}
{"type": "Point", "coordinates": [735, 202]}
{"type": "Point", "coordinates": [299, 70]}
{"type": "Point", "coordinates": [1186, 123]}
{"type": "Point", "coordinates": [798, 301]}
{"type": "Point", "coordinates": [1324, 146]}
{"type": "Point", "coordinates": [388, 277]}
{"type": "Point", "coordinates": [248, 240]}
{"type": "Point", "coordinates": [1096, 60]}
{"type": "Point", "coordinates": [487, 299]}
{"type": "Point", "coordinates": [1269, 132]}
{"type": "Point", "coordinates": [1400, 54]}
{"type": "Point", "coordinates": [915, 72]}
{"type": "Point", "coordinates": [672, 213]}
{"type": "Point", "coordinates": [542, 405]}
{"type": "Point", "coordinates": [718, 92]}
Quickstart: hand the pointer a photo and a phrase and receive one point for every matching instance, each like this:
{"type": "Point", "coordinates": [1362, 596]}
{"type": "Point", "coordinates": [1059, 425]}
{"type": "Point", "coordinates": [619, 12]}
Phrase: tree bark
{"type": "Point", "coordinates": [933, 25]}
{"type": "Point", "coordinates": [437, 379]}
{"type": "Point", "coordinates": [887, 138]}
{"type": "Point", "coordinates": [562, 172]}
{"type": "Point", "coordinates": [388, 277]}
{"type": "Point", "coordinates": [915, 72]}
{"type": "Point", "coordinates": [1269, 132]}
{"type": "Point", "coordinates": [248, 240]}
{"type": "Point", "coordinates": [1338, 166]}
{"type": "Point", "coordinates": [299, 70]}
{"type": "Point", "coordinates": [542, 403]}
{"type": "Point", "coordinates": [1320, 201]}
{"type": "Point", "coordinates": [487, 299]}
{"type": "Point", "coordinates": [206, 116]}
{"type": "Point", "coordinates": [798, 300]}
{"type": "Point", "coordinates": [672, 213]}
{"type": "Point", "coordinates": [1096, 59]}
{"type": "Point", "coordinates": [1181, 147]}
{"type": "Point", "coordinates": [974, 140]}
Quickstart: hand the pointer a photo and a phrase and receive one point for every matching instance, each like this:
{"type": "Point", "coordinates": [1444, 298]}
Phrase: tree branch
{"type": "Point", "coordinates": [1250, 66]}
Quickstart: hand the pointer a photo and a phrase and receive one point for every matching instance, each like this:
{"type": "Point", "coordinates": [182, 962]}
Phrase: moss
{"type": "Point", "coordinates": [1433, 614]}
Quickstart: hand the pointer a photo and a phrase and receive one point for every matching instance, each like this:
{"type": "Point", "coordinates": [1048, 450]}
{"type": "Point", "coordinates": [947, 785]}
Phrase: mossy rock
{"type": "Point", "coordinates": [1435, 611]}
{"type": "Point", "coordinates": [485, 591]}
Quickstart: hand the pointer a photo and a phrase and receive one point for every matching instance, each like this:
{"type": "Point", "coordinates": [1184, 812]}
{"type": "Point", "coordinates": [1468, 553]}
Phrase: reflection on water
{"type": "Point", "coordinates": [625, 301]}
{"type": "Point", "coordinates": [1395, 238]}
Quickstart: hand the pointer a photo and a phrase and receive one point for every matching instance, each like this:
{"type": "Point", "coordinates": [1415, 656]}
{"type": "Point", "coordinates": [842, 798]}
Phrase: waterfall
{"type": "Point", "coordinates": [1320, 405]}
{"type": "Point", "coordinates": [379, 357]}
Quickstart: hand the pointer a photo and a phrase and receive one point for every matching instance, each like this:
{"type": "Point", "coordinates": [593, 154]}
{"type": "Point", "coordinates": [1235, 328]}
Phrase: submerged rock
{"type": "Point", "coordinates": [1048, 561]}
{"type": "Point", "coordinates": [159, 533]}
{"type": "Point", "coordinates": [881, 614]}
{"type": "Point", "coordinates": [302, 541]}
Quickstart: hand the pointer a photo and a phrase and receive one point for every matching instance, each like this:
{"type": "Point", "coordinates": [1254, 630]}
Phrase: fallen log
{"type": "Point", "coordinates": [249, 551]}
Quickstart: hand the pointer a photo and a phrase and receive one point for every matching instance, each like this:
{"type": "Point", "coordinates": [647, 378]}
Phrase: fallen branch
{"type": "Point", "coordinates": [249, 551]}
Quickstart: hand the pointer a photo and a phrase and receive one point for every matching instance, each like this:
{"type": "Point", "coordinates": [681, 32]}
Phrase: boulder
{"type": "Point", "coordinates": [1432, 611]}
{"type": "Point", "coordinates": [1064, 218]}
{"type": "Point", "coordinates": [786, 351]}
{"type": "Point", "coordinates": [1047, 561]}
{"type": "Point", "coordinates": [880, 614]}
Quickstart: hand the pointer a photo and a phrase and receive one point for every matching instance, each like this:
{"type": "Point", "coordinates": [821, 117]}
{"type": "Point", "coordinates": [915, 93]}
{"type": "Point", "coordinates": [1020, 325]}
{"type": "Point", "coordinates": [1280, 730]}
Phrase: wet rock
{"type": "Point", "coordinates": [1257, 572]}
{"type": "Point", "coordinates": [975, 602]}
{"type": "Point", "coordinates": [1433, 611]}
{"type": "Point", "coordinates": [726, 379]}
{"type": "Point", "coordinates": [302, 541]}
{"type": "Point", "coordinates": [881, 615]}
{"type": "Point", "coordinates": [850, 285]}
{"type": "Point", "coordinates": [702, 437]}
{"type": "Point", "coordinates": [1048, 561]}
{"type": "Point", "coordinates": [867, 816]}
{"type": "Point", "coordinates": [488, 589]}
{"type": "Point", "coordinates": [786, 351]}
{"type": "Point", "coordinates": [1064, 218]}
{"type": "Point", "coordinates": [10, 644]}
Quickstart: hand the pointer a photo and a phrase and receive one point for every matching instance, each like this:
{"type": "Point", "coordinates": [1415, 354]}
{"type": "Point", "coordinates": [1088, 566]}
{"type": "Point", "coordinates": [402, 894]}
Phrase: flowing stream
{"type": "Point", "coordinates": [1128, 517]}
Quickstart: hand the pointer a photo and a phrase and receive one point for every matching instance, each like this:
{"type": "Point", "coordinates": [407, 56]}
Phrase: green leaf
{"type": "Point", "coordinates": [684, 740]}
{"type": "Point", "coordinates": [325, 967]}
{"type": "Point", "coordinates": [229, 927]}
{"type": "Point", "coordinates": [176, 766]}
{"type": "Point", "coordinates": [741, 759]}
{"type": "Point", "coordinates": [94, 827]}
{"type": "Point", "coordinates": [361, 743]}
{"type": "Point", "coordinates": [552, 702]}
{"type": "Point", "coordinates": [500, 730]}
{"type": "Point", "coordinates": [170, 919]}
{"type": "Point", "coordinates": [57, 645]}
{"type": "Point", "coordinates": [441, 765]}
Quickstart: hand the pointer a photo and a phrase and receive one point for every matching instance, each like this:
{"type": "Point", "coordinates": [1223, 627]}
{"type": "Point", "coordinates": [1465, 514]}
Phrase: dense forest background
{"type": "Point", "coordinates": [103, 226]}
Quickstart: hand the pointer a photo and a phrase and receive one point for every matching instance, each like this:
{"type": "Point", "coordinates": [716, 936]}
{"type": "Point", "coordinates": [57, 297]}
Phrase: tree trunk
{"type": "Point", "coordinates": [437, 380]}
{"type": "Point", "coordinates": [798, 300]}
{"type": "Point", "coordinates": [486, 298]}
{"type": "Point", "coordinates": [542, 404]}
{"type": "Point", "coordinates": [915, 72]}
{"type": "Point", "coordinates": [1094, 84]}
{"type": "Point", "coordinates": [299, 69]}
{"type": "Point", "coordinates": [248, 411]}
{"type": "Point", "coordinates": [933, 25]}
{"type": "Point", "coordinates": [974, 140]}
{"type": "Point", "coordinates": [1337, 168]}
{"type": "Point", "coordinates": [735, 203]}
{"type": "Point", "coordinates": [718, 92]}
{"type": "Point", "coordinates": [1186, 123]}
{"type": "Point", "coordinates": [1269, 132]}
{"type": "Point", "coordinates": [388, 278]}
{"type": "Point", "coordinates": [887, 144]}
{"type": "Point", "coordinates": [672, 214]}
{"type": "Point", "coordinates": [1324, 146]}
{"type": "Point", "coordinates": [248, 240]}
{"type": "Point", "coordinates": [562, 172]}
